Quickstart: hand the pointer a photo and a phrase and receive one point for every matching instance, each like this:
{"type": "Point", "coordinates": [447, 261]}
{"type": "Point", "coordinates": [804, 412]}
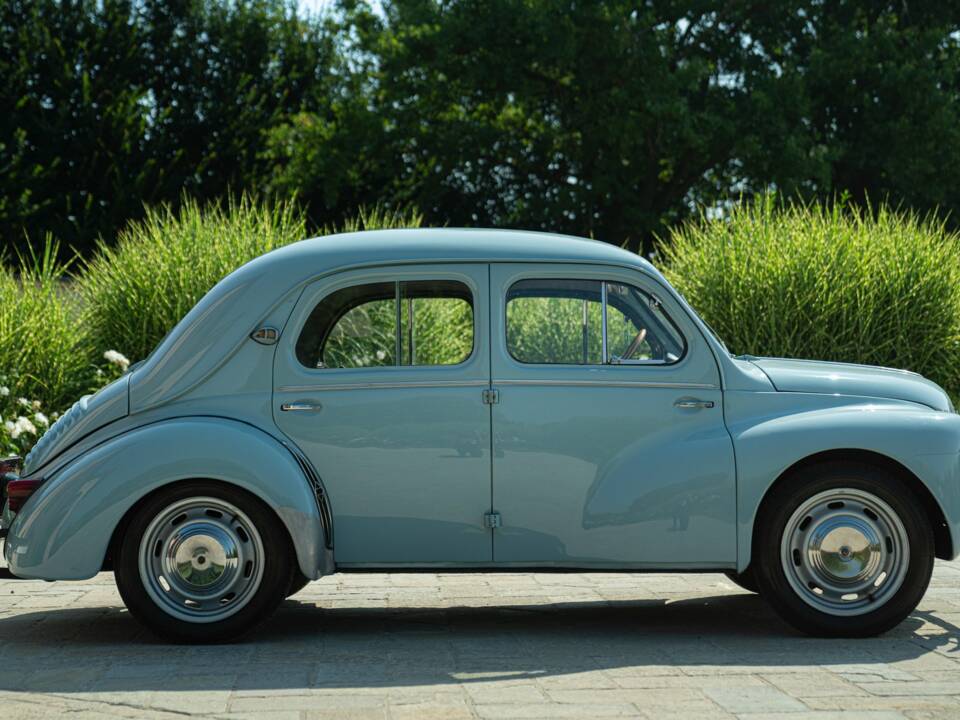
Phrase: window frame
{"type": "Point", "coordinates": [397, 281]}
{"type": "Point", "coordinates": [604, 340]}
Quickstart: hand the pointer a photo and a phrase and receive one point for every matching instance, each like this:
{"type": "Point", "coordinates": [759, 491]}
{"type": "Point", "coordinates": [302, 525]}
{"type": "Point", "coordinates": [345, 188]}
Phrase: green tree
{"type": "Point", "coordinates": [615, 119]}
{"type": "Point", "coordinates": [598, 118]}
{"type": "Point", "coordinates": [881, 104]}
{"type": "Point", "coordinates": [72, 158]}
{"type": "Point", "coordinates": [114, 104]}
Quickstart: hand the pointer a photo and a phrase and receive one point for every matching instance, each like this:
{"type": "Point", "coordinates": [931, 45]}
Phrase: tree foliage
{"type": "Point", "coordinates": [112, 104]}
{"type": "Point", "coordinates": [608, 118]}
{"type": "Point", "coordinates": [615, 119]}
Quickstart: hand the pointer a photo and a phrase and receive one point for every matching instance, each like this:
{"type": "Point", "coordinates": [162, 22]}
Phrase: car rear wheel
{"type": "Point", "coordinates": [203, 562]}
{"type": "Point", "coordinates": [842, 550]}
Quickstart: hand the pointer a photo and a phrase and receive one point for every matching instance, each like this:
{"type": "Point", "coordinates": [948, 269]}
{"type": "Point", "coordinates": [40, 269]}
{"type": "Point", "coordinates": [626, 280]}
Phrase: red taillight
{"type": "Point", "coordinates": [19, 491]}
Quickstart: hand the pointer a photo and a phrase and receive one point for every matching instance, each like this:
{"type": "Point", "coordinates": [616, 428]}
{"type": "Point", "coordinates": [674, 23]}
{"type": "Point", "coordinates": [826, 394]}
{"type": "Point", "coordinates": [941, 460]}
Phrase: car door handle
{"type": "Point", "coordinates": [693, 404]}
{"type": "Point", "coordinates": [302, 406]}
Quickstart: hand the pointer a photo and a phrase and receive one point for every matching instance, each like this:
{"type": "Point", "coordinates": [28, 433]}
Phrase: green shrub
{"type": "Point", "coordinates": [827, 282]}
{"type": "Point", "coordinates": [44, 353]}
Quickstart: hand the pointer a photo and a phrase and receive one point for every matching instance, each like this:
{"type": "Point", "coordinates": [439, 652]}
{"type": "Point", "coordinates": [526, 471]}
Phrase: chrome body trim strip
{"type": "Point", "coordinates": [483, 383]}
{"type": "Point", "coordinates": [320, 387]}
{"type": "Point", "coordinates": [613, 383]}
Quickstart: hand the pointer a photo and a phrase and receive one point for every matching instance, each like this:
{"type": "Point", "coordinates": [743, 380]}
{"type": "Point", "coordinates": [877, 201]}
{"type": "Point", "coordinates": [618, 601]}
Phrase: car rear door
{"type": "Point", "coordinates": [379, 379]}
{"type": "Point", "coordinates": [605, 459]}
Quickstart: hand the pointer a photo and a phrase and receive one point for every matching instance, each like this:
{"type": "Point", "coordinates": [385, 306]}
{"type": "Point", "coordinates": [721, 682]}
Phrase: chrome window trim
{"type": "Point", "coordinates": [604, 358]}
{"type": "Point", "coordinates": [315, 298]}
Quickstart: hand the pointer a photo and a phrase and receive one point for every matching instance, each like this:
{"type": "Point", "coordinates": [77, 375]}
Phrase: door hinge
{"type": "Point", "coordinates": [491, 520]}
{"type": "Point", "coordinates": [491, 397]}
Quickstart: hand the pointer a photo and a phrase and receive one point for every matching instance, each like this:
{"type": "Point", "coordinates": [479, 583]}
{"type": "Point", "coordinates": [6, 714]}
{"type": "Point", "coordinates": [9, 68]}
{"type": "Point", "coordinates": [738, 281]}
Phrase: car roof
{"type": "Point", "coordinates": [332, 252]}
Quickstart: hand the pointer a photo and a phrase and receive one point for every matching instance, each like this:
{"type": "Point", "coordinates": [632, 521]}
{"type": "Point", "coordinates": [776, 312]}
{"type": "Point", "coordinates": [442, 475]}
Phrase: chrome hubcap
{"type": "Point", "coordinates": [201, 559]}
{"type": "Point", "coordinates": [845, 552]}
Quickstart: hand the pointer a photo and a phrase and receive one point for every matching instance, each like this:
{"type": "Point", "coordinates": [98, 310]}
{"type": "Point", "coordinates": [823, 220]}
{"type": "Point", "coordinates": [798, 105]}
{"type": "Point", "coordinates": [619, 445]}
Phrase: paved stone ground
{"type": "Point", "coordinates": [480, 646]}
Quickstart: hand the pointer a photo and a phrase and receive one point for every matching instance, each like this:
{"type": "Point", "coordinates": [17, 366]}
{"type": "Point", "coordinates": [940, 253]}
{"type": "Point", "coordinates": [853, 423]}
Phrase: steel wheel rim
{"type": "Point", "coordinates": [201, 560]}
{"type": "Point", "coordinates": [845, 552]}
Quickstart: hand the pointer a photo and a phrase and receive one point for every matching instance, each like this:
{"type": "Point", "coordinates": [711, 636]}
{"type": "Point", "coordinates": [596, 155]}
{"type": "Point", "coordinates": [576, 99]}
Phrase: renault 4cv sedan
{"type": "Point", "coordinates": [489, 400]}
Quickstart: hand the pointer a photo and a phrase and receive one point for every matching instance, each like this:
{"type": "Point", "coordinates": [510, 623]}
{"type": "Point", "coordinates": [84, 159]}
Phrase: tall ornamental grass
{"type": "Point", "coordinates": [46, 362]}
{"type": "Point", "coordinates": [827, 282]}
{"type": "Point", "coordinates": [138, 288]}
{"type": "Point", "coordinates": [43, 347]}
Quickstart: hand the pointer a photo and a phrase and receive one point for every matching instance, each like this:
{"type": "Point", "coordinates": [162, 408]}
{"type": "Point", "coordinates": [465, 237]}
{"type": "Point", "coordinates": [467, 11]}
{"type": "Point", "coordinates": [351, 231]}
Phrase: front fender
{"type": "Point", "coordinates": [774, 431]}
{"type": "Point", "coordinates": [64, 531]}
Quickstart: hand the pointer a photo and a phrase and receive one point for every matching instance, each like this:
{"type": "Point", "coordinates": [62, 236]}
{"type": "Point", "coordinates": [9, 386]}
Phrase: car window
{"type": "Point", "coordinates": [561, 321]}
{"type": "Point", "coordinates": [555, 321]}
{"type": "Point", "coordinates": [638, 328]}
{"type": "Point", "coordinates": [422, 322]}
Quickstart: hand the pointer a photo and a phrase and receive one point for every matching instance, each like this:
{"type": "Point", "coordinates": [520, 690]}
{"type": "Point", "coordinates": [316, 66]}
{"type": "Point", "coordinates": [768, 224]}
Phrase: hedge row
{"type": "Point", "coordinates": [877, 287]}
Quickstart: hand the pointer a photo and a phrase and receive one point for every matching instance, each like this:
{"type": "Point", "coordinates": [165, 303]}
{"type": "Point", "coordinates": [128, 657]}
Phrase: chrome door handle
{"type": "Point", "coordinates": [301, 406]}
{"type": "Point", "coordinates": [693, 404]}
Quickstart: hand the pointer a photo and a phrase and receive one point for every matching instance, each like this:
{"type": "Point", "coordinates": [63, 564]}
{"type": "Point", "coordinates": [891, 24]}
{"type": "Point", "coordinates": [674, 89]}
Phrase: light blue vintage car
{"type": "Point", "coordinates": [493, 400]}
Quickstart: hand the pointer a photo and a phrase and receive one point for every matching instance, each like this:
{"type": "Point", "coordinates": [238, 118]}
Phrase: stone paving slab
{"type": "Point", "coordinates": [464, 645]}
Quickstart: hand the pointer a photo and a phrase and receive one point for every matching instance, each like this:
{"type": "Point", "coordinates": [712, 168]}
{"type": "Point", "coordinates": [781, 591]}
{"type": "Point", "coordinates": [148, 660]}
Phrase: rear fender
{"type": "Point", "coordinates": [64, 530]}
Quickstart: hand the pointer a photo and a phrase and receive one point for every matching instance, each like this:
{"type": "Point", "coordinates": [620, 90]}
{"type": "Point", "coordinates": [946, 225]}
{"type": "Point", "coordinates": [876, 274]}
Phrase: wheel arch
{"type": "Point", "coordinates": [113, 547]}
{"type": "Point", "coordinates": [69, 529]}
{"type": "Point", "coordinates": [931, 508]}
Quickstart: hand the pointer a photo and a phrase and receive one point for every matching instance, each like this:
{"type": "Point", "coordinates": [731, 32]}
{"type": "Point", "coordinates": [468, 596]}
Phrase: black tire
{"type": "Point", "coordinates": [261, 600]}
{"type": "Point", "coordinates": [745, 580]}
{"type": "Point", "coordinates": [297, 583]}
{"type": "Point", "coordinates": [772, 562]}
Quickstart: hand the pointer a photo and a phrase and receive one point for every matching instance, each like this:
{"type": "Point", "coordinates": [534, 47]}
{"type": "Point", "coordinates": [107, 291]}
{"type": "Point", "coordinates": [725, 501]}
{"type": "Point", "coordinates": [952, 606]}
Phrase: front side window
{"type": "Point", "coordinates": [419, 322]}
{"type": "Point", "coordinates": [588, 322]}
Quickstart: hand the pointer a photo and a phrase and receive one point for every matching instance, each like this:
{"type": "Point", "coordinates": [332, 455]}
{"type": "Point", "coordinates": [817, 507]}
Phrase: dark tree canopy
{"type": "Point", "coordinates": [597, 117]}
{"type": "Point", "coordinates": [111, 105]}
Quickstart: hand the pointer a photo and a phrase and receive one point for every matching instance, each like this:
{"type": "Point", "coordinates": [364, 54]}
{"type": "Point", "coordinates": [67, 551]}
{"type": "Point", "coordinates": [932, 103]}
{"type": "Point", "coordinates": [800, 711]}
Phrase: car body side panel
{"type": "Point", "coordinates": [88, 414]}
{"type": "Point", "coordinates": [240, 389]}
{"type": "Point", "coordinates": [773, 431]}
{"type": "Point", "coordinates": [64, 530]}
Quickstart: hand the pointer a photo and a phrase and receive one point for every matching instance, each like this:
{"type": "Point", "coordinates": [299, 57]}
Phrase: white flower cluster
{"type": "Point", "coordinates": [25, 425]}
{"type": "Point", "coordinates": [115, 358]}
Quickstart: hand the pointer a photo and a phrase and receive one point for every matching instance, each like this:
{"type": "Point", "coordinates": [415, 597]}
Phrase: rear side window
{"type": "Point", "coordinates": [589, 322]}
{"type": "Point", "coordinates": [419, 322]}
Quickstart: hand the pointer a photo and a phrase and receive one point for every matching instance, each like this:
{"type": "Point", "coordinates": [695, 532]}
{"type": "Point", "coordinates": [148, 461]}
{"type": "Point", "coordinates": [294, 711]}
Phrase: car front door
{"type": "Point", "coordinates": [379, 379]}
{"type": "Point", "coordinates": [609, 443]}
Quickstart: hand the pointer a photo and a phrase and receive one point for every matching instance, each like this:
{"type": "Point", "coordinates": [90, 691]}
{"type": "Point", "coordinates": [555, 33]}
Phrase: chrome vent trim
{"type": "Point", "coordinates": [318, 494]}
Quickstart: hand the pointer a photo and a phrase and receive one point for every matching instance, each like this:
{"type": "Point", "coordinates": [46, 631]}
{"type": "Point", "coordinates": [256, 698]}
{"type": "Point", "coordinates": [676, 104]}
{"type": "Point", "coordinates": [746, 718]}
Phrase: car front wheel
{"type": "Point", "coordinates": [843, 550]}
{"type": "Point", "coordinates": [203, 562]}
